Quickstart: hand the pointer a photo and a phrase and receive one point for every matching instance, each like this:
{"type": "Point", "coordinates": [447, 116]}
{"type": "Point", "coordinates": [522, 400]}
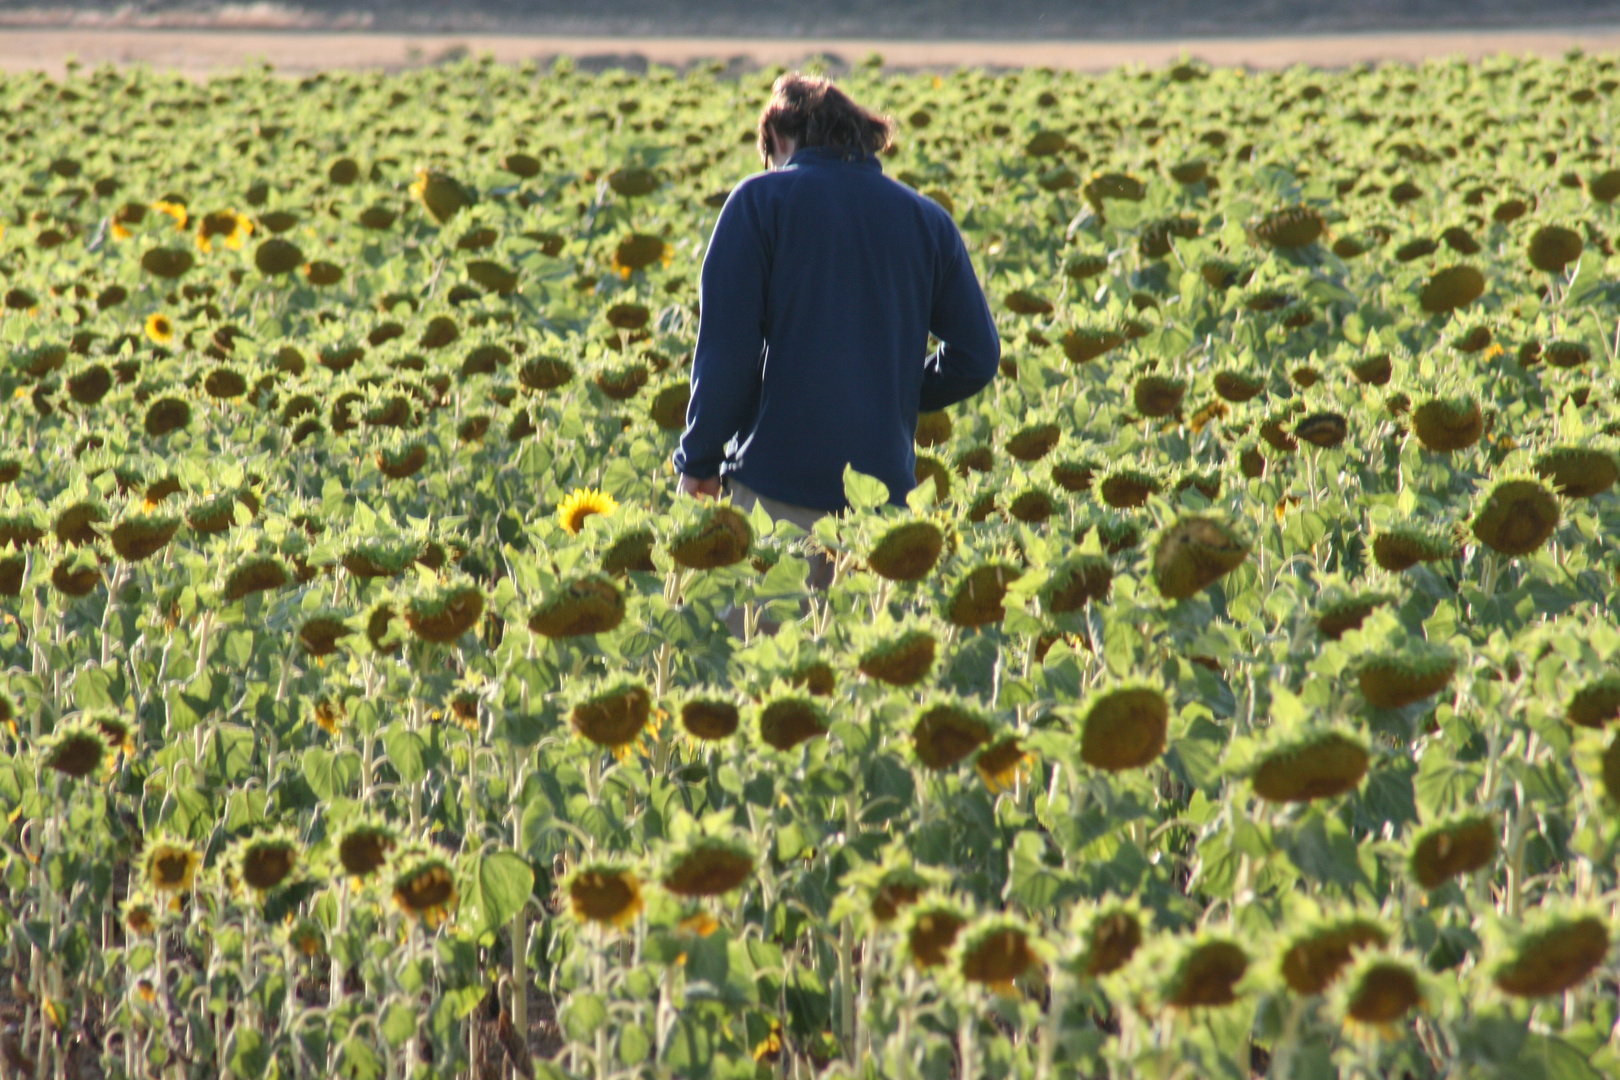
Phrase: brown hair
{"type": "Point", "coordinates": [811, 111]}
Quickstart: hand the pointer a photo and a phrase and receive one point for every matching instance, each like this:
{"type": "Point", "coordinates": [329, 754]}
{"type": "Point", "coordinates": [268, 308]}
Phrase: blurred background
{"type": "Point", "coordinates": [1084, 34]}
{"type": "Point", "coordinates": [936, 19]}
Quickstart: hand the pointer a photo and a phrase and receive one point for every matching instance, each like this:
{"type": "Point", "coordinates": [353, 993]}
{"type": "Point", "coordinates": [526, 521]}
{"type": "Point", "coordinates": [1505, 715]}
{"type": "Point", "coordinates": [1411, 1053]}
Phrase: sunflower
{"type": "Point", "coordinates": [1205, 974]}
{"type": "Point", "coordinates": [266, 861]}
{"type": "Point", "coordinates": [1316, 958]}
{"type": "Point", "coordinates": [605, 894]}
{"type": "Point", "coordinates": [930, 928]}
{"type": "Point", "coordinates": [708, 866]}
{"type": "Point", "coordinates": [1125, 728]}
{"type": "Point", "coordinates": [613, 718]}
{"type": "Point", "coordinates": [946, 732]}
{"type": "Point", "coordinates": [709, 717]}
{"type": "Point", "coordinates": [329, 715]}
{"type": "Point", "coordinates": [364, 848]}
{"type": "Point", "coordinates": [171, 866]}
{"type": "Point", "coordinates": [1109, 935]}
{"type": "Point", "coordinates": [140, 914]}
{"type": "Point", "coordinates": [1002, 765]}
{"type": "Point", "coordinates": [1553, 956]}
{"type": "Point", "coordinates": [159, 328]}
{"type": "Point", "coordinates": [307, 938]}
{"type": "Point", "coordinates": [580, 504]}
{"type": "Point", "coordinates": [175, 210]}
{"type": "Point", "coordinates": [233, 227]}
{"type": "Point", "coordinates": [76, 751]}
{"type": "Point", "coordinates": [995, 951]}
{"type": "Point", "coordinates": [1379, 991]}
{"type": "Point", "coordinates": [425, 889]}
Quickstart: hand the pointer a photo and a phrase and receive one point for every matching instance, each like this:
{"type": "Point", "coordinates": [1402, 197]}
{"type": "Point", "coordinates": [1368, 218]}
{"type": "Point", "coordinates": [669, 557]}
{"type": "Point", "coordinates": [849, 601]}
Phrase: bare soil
{"type": "Point", "coordinates": [200, 51]}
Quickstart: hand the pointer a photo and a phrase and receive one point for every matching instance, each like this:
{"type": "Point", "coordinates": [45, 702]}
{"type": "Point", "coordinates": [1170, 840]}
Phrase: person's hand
{"type": "Point", "coordinates": [708, 488]}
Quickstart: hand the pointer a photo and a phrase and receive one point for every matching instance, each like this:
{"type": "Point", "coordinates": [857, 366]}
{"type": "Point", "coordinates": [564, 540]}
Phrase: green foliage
{"type": "Point", "coordinates": [1238, 698]}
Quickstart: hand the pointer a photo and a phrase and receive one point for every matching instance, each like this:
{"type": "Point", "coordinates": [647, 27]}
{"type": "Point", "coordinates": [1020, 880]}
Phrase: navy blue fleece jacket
{"type": "Point", "coordinates": [820, 287]}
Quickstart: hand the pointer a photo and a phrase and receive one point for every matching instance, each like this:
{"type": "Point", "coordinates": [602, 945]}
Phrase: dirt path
{"type": "Point", "coordinates": [200, 51]}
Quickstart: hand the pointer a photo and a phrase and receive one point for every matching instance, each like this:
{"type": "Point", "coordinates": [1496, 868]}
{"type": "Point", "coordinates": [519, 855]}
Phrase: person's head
{"type": "Point", "coordinates": [807, 110]}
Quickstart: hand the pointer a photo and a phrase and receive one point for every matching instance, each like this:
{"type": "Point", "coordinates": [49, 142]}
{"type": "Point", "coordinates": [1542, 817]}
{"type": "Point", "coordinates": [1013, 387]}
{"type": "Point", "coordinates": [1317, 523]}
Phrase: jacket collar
{"type": "Point", "coordinates": [826, 155]}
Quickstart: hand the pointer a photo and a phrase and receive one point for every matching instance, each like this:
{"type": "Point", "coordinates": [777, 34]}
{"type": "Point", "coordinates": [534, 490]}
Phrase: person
{"type": "Point", "coordinates": [821, 285]}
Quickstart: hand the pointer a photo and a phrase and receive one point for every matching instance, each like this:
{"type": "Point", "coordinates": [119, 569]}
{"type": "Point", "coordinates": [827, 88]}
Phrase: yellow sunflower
{"type": "Point", "coordinates": [118, 231]}
{"type": "Point", "coordinates": [159, 328]}
{"type": "Point", "coordinates": [606, 894]}
{"type": "Point", "coordinates": [170, 867]}
{"type": "Point", "coordinates": [580, 504]}
{"type": "Point", "coordinates": [1002, 765]}
{"type": "Point", "coordinates": [174, 210]}
{"type": "Point", "coordinates": [226, 224]}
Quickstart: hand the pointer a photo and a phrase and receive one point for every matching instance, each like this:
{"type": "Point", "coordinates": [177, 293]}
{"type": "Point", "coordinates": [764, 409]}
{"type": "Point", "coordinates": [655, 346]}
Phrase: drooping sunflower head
{"type": "Point", "coordinates": [976, 597]}
{"type": "Point", "coordinates": [170, 866]}
{"type": "Point", "coordinates": [605, 893]}
{"type": "Point", "coordinates": [1314, 959]}
{"type": "Point", "coordinates": [899, 659]}
{"type": "Point", "coordinates": [1516, 516]}
{"type": "Point", "coordinates": [1392, 679]}
{"type": "Point", "coordinates": [1379, 990]}
{"type": "Point", "coordinates": [444, 612]}
{"type": "Point", "coordinates": [787, 718]}
{"type": "Point", "coordinates": [160, 328]}
{"type": "Point", "coordinates": [141, 915]}
{"type": "Point", "coordinates": [1002, 764]}
{"type": "Point", "coordinates": [364, 847]}
{"type": "Point", "coordinates": [881, 891]}
{"type": "Point", "coordinates": [1194, 553]}
{"type": "Point", "coordinates": [1581, 471]}
{"type": "Point", "coordinates": [707, 866]}
{"type": "Point", "coordinates": [1453, 847]}
{"type": "Point", "coordinates": [631, 551]}
{"type": "Point", "coordinates": [907, 551]}
{"type": "Point", "coordinates": [580, 504]}
{"type": "Point", "coordinates": [1204, 972]}
{"type": "Point", "coordinates": [1124, 727]}
{"type": "Point", "coordinates": [1106, 935]}
{"type": "Point", "coordinates": [1556, 951]}
{"type": "Point", "coordinates": [1595, 703]}
{"type": "Point", "coordinates": [1313, 765]}
{"type": "Point", "coordinates": [425, 887]}
{"type": "Point", "coordinates": [264, 862]}
{"type": "Point", "coordinates": [1403, 544]}
{"type": "Point", "coordinates": [1340, 614]}
{"type": "Point", "coordinates": [613, 716]}
{"type": "Point", "coordinates": [929, 929]}
{"type": "Point", "coordinates": [1075, 582]}
{"type": "Point", "coordinates": [946, 731]}
{"type": "Point", "coordinates": [75, 750]}
{"type": "Point", "coordinates": [591, 604]}
{"type": "Point", "coordinates": [716, 535]}
{"type": "Point", "coordinates": [709, 715]}
{"type": "Point", "coordinates": [995, 950]}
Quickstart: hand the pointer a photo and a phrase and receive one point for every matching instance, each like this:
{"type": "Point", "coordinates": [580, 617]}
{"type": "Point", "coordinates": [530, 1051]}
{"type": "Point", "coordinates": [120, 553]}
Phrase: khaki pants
{"type": "Point", "coordinates": [745, 499]}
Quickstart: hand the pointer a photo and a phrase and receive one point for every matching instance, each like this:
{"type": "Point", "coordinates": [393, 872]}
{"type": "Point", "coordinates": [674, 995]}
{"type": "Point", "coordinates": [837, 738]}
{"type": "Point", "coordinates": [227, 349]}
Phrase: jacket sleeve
{"type": "Point", "coordinates": [729, 360]}
{"type": "Point", "coordinates": [970, 352]}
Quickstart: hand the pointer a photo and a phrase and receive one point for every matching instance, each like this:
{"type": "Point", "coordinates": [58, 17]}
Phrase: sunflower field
{"type": "Point", "coordinates": [1236, 695]}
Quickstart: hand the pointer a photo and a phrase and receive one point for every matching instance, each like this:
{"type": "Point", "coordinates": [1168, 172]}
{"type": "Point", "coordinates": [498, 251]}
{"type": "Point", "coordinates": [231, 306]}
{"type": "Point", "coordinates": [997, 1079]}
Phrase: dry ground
{"type": "Point", "coordinates": [201, 51]}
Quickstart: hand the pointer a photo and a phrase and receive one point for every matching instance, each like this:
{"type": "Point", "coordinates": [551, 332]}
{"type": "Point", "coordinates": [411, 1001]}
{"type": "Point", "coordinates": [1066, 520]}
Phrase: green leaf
{"type": "Point", "coordinates": [503, 882]}
{"type": "Point", "coordinates": [248, 1054]}
{"type": "Point", "coordinates": [864, 492]}
{"type": "Point", "coordinates": [406, 752]}
{"type": "Point", "coordinates": [582, 1015]}
{"type": "Point", "coordinates": [398, 1024]}
{"type": "Point", "coordinates": [1547, 1057]}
